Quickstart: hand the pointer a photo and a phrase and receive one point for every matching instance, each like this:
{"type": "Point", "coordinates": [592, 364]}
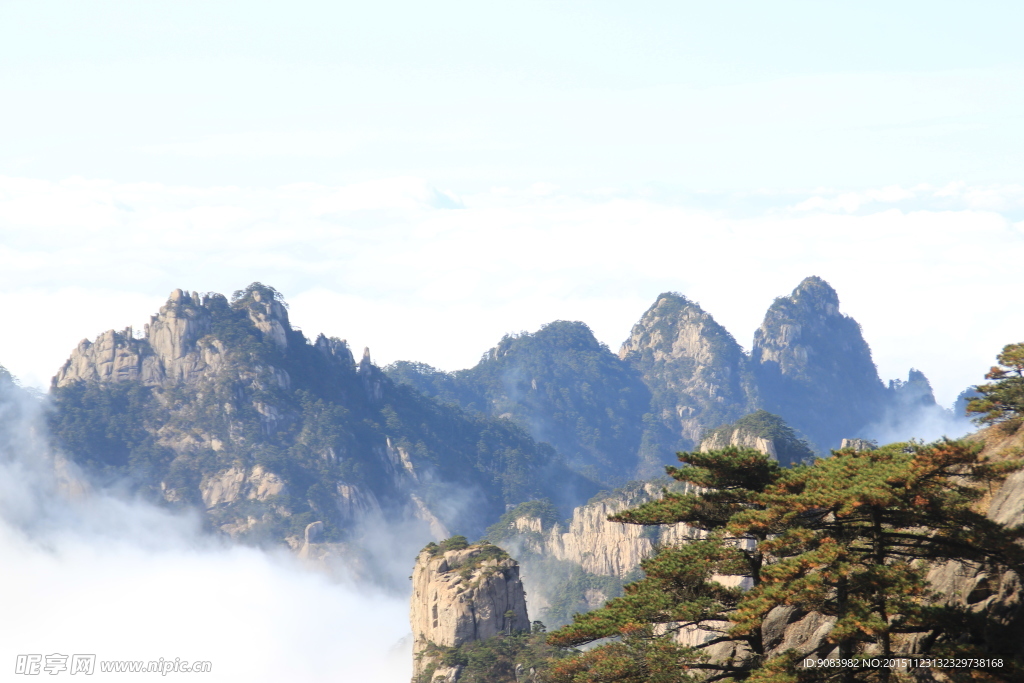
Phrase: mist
{"type": "Point", "coordinates": [912, 413]}
{"type": "Point", "coordinates": [922, 423]}
{"type": "Point", "coordinates": [93, 572]}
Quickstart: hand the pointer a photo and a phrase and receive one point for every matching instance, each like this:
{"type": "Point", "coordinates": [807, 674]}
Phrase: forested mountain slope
{"type": "Point", "coordinates": [678, 375]}
{"type": "Point", "coordinates": [223, 405]}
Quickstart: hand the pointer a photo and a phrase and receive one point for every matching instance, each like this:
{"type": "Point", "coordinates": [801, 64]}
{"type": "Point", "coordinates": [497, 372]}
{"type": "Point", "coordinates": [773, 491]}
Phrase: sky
{"type": "Point", "coordinates": [423, 178]}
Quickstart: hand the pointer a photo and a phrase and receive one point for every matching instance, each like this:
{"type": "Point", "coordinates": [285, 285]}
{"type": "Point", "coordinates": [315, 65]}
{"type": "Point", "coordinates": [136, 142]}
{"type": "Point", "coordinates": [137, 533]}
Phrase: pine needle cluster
{"type": "Point", "coordinates": [847, 540]}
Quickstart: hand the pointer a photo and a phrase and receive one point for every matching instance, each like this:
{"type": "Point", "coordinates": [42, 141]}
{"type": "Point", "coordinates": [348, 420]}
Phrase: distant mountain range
{"type": "Point", "coordinates": [222, 405]}
{"type": "Point", "coordinates": [678, 375]}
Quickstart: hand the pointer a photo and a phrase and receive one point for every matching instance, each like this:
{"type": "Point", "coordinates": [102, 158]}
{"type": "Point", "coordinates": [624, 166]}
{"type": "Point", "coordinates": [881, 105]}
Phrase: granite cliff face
{"type": "Point", "coordinates": [594, 543]}
{"type": "Point", "coordinates": [577, 565]}
{"type": "Point", "coordinates": [170, 348]}
{"type": "Point", "coordinates": [459, 596]}
{"type": "Point", "coordinates": [696, 371]}
{"type": "Point", "coordinates": [740, 437]}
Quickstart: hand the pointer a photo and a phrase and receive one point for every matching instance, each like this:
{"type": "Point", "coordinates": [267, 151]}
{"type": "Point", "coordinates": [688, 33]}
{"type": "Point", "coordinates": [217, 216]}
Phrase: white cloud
{"type": "Point", "coordinates": [387, 264]}
{"type": "Point", "coordinates": [263, 144]}
{"type": "Point", "coordinates": [123, 580]}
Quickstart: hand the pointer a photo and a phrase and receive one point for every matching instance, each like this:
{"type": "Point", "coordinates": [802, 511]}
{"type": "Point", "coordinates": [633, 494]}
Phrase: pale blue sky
{"type": "Point", "coordinates": [424, 177]}
{"type": "Point", "coordinates": [679, 96]}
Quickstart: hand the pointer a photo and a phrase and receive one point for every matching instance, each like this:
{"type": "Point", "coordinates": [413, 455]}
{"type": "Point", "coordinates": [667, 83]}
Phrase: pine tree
{"type": "Point", "coordinates": [1003, 399]}
{"type": "Point", "coordinates": [679, 592]}
{"type": "Point", "coordinates": [849, 538]}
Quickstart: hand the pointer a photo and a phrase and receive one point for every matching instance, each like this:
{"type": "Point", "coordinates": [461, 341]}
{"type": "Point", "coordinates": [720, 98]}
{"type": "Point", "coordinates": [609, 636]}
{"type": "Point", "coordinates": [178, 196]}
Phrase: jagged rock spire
{"type": "Point", "coordinates": [694, 367]}
{"type": "Point", "coordinates": [813, 366]}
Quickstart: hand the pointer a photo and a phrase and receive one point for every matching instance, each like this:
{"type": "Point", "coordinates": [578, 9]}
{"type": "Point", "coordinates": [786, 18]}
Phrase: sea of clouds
{"type": "Point", "coordinates": [421, 273]}
{"type": "Point", "coordinates": [97, 572]}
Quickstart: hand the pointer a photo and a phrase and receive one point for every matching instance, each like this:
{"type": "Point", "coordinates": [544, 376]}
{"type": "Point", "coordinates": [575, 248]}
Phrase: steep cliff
{"type": "Point", "coordinates": [222, 405]}
{"type": "Point", "coordinates": [602, 547]}
{"type": "Point", "coordinates": [696, 372]}
{"type": "Point", "coordinates": [813, 367]}
{"type": "Point", "coordinates": [461, 594]}
{"type": "Point", "coordinates": [577, 565]}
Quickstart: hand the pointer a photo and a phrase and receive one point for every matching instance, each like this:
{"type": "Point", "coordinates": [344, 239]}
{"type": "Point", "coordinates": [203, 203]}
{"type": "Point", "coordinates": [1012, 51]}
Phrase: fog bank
{"type": "Point", "coordinates": [90, 572]}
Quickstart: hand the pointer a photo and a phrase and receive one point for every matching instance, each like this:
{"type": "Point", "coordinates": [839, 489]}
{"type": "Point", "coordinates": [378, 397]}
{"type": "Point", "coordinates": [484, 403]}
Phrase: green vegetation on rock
{"type": "Point", "coordinates": [560, 384]}
{"type": "Point", "coordinates": [232, 387]}
{"type": "Point", "coordinates": [790, 448]}
{"type": "Point", "coordinates": [1002, 400]}
{"type": "Point", "coordinates": [848, 539]}
{"type": "Point", "coordinates": [504, 658]}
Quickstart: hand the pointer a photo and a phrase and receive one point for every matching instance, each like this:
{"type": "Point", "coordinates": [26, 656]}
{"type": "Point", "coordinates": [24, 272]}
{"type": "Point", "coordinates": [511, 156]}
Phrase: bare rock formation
{"type": "Point", "coordinates": [696, 371]}
{"type": "Point", "coordinates": [462, 595]}
{"type": "Point", "coordinates": [813, 367]}
{"type": "Point", "coordinates": [742, 438]}
{"type": "Point", "coordinates": [765, 433]}
{"type": "Point", "coordinates": [167, 348]}
{"type": "Point", "coordinates": [598, 545]}
{"type": "Point", "coordinates": [234, 484]}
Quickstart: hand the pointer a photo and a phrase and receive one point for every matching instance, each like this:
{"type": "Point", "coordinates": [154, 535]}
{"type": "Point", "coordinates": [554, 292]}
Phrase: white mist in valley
{"type": "Point", "coordinates": [88, 572]}
{"type": "Point", "coordinates": [913, 414]}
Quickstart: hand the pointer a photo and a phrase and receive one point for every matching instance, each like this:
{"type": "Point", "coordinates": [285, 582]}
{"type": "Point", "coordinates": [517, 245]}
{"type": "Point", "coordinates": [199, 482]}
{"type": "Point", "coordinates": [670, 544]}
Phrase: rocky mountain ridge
{"type": "Point", "coordinates": [696, 371]}
{"type": "Point", "coordinates": [678, 376]}
{"type": "Point", "coordinates": [224, 406]}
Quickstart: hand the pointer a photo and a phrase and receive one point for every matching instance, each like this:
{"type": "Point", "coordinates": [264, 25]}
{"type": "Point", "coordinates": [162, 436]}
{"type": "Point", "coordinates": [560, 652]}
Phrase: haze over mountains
{"type": "Point", "coordinates": [223, 406]}
{"type": "Point", "coordinates": [220, 408]}
{"type": "Point", "coordinates": [680, 374]}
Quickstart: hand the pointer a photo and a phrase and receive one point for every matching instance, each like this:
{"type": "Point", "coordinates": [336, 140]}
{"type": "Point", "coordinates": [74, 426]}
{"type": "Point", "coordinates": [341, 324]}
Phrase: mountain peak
{"type": "Point", "coordinates": [813, 366]}
{"type": "Point", "coordinates": [693, 364]}
{"type": "Point", "coordinates": [816, 294]}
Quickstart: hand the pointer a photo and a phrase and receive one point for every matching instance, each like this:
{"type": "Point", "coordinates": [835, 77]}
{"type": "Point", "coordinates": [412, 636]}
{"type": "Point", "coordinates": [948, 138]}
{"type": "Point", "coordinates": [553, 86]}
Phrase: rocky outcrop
{"type": "Point", "coordinates": [764, 432]}
{"type": "Point", "coordinates": [167, 348]}
{"type": "Point", "coordinates": [696, 372]}
{"type": "Point", "coordinates": [235, 484]}
{"type": "Point", "coordinates": [176, 345]}
{"type": "Point", "coordinates": [738, 437]}
{"type": "Point", "coordinates": [591, 541]}
{"type": "Point", "coordinates": [813, 367]}
{"type": "Point", "coordinates": [603, 547]}
{"type": "Point", "coordinates": [462, 595]}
